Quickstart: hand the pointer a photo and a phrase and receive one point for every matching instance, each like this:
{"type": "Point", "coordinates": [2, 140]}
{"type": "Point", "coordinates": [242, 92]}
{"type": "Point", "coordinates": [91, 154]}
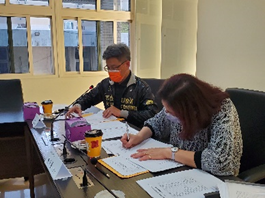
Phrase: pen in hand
{"type": "Point", "coordinates": [127, 131]}
{"type": "Point", "coordinates": [94, 162]}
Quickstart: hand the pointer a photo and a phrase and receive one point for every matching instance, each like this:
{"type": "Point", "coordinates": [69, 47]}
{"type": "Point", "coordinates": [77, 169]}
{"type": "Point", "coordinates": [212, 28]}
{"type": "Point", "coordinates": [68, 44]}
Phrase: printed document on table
{"type": "Point", "coordinates": [111, 127]}
{"type": "Point", "coordinates": [115, 129]}
{"type": "Point", "coordinates": [98, 118]}
{"type": "Point", "coordinates": [184, 184]}
{"type": "Point", "coordinates": [156, 165]}
{"type": "Point", "coordinates": [237, 189]}
{"type": "Point", "coordinates": [115, 147]}
{"type": "Point", "coordinates": [122, 166]}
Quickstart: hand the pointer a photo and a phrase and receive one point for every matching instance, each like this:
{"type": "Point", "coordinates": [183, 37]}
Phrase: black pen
{"type": "Point", "coordinates": [127, 131]}
{"type": "Point", "coordinates": [106, 174]}
{"type": "Point", "coordinates": [94, 161]}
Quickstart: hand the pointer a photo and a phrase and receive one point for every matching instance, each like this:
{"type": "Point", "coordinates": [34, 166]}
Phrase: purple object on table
{"type": "Point", "coordinates": [75, 128]}
{"type": "Point", "coordinates": [30, 109]}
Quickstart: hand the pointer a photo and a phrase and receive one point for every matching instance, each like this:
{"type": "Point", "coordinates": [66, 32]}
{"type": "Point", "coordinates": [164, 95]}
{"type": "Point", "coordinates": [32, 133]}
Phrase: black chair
{"type": "Point", "coordinates": [11, 101]}
{"type": "Point", "coordinates": [155, 84]}
{"type": "Point", "coordinates": [250, 106]}
{"type": "Point", "coordinates": [17, 156]}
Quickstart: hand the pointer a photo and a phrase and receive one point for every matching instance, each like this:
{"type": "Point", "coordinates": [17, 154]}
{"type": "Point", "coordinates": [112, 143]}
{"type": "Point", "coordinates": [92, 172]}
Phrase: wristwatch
{"type": "Point", "coordinates": [173, 151]}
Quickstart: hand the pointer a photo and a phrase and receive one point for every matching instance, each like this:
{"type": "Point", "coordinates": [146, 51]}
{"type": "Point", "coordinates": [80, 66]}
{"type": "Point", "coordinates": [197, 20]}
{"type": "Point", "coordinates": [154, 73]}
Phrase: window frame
{"type": "Point", "coordinates": [58, 14]}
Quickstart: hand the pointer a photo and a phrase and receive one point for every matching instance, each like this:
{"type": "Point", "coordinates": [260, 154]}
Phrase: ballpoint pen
{"type": "Point", "coordinates": [106, 174]}
{"type": "Point", "coordinates": [127, 131]}
{"type": "Point", "coordinates": [94, 161]}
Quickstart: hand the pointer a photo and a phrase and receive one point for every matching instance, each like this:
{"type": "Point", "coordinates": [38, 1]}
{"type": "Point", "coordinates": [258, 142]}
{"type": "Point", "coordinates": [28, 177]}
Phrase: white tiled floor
{"type": "Point", "coordinates": [18, 188]}
{"type": "Point", "coordinates": [12, 188]}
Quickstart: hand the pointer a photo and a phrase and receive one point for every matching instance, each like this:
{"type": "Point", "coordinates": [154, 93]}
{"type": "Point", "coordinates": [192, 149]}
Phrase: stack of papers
{"type": "Point", "coordinates": [115, 147]}
{"type": "Point", "coordinates": [235, 189]}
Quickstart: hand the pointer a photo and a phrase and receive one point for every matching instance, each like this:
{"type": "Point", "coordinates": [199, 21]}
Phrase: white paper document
{"type": "Point", "coordinates": [111, 127]}
{"type": "Point", "coordinates": [185, 184]}
{"type": "Point", "coordinates": [235, 189]}
{"type": "Point", "coordinates": [114, 129]}
{"type": "Point", "coordinates": [98, 118]}
{"type": "Point", "coordinates": [115, 147]}
{"type": "Point", "coordinates": [123, 165]}
{"type": "Point", "coordinates": [157, 165]}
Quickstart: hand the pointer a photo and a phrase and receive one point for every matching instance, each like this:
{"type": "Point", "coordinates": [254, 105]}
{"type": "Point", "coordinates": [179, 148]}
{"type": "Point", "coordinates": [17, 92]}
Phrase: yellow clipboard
{"type": "Point", "coordinates": [87, 114]}
{"type": "Point", "coordinates": [117, 173]}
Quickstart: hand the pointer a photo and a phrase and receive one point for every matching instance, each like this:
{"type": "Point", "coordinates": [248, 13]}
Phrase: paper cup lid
{"type": "Point", "coordinates": [46, 102]}
{"type": "Point", "coordinates": [93, 133]}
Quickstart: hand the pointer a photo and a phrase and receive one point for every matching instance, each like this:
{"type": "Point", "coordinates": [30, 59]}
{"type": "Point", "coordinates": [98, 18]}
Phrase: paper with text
{"type": "Point", "coordinates": [184, 184]}
{"type": "Point", "coordinates": [98, 118]}
{"type": "Point", "coordinates": [157, 165]}
{"type": "Point", "coordinates": [237, 189]}
{"type": "Point", "coordinates": [115, 147]}
{"type": "Point", "coordinates": [122, 166]}
{"type": "Point", "coordinates": [111, 127]}
{"type": "Point", "coordinates": [114, 129]}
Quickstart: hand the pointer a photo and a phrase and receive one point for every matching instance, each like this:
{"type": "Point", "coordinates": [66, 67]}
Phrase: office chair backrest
{"type": "Point", "coordinates": [155, 84]}
{"type": "Point", "coordinates": [11, 101]}
{"type": "Point", "coordinates": [250, 106]}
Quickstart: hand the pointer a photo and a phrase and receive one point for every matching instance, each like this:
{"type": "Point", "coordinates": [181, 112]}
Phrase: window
{"type": "Point", "coordinates": [106, 38]}
{"type": "Point", "coordinates": [41, 45]}
{"type": "Point", "coordinates": [123, 33]}
{"type": "Point", "coordinates": [70, 44]}
{"type": "Point", "coordinates": [123, 5]}
{"type": "Point", "coordinates": [31, 2]}
{"type": "Point", "coordinates": [85, 4]}
{"type": "Point", "coordinates": [13, 43]}
{"type": "Point", "coordinates": [90, 48]}
{"type": "Point", "coordinates": [60, 38]}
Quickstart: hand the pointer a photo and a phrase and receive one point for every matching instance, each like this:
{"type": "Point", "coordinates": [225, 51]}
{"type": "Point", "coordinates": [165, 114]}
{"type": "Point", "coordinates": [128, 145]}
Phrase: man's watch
{"type": "Point", "coordinates": [173, 151]}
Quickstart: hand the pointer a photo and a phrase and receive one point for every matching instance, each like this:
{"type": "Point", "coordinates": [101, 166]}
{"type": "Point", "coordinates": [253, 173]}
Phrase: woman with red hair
{"type": "Point", "coordinates": [200, 121]}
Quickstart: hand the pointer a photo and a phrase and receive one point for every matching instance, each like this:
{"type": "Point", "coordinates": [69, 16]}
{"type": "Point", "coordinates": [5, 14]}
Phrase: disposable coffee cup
{"type": "Point", "coordinates": [47, 108]}
{"type": "Point", "coordinates": [93, 142]}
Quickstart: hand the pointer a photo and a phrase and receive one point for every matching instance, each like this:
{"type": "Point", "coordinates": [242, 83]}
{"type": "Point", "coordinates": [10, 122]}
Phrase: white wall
{"type": "Point", "coordinates": [166, 33]}
{"type": "Point", "coordinates": [179, 34]}
{"type": "Point", "coordinates": [62, 90]}
{"type": "Point", "coordinates": [147, 31]}
{"type": "Point", "coordinates": [231, 43]}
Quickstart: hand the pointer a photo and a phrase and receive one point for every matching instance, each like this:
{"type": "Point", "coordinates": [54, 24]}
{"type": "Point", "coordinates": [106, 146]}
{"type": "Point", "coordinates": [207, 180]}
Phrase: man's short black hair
{"type": "Point", "coordinates": [120, 51]}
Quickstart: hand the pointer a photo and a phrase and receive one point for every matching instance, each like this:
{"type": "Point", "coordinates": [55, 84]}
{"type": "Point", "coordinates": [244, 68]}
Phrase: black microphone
{"type": "Point", "coordinates": [64, 148]}
{"type": "Point", "coordinates": [53, 139]}
{"type": "Point", "coordinates": [67, 107]}
{"type": "Point", "coordinates": [66, 159]}
{"type": "Point", "coordinates": [89, 89]}
{"type": "Point", "coordinates": [84, 183]}
{"type": "Point", "coordinates": [94, 161]}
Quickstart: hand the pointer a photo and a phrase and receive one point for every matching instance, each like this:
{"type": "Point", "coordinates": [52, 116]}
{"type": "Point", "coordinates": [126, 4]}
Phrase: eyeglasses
{"type": "Point", "coordinates": [106, 68]}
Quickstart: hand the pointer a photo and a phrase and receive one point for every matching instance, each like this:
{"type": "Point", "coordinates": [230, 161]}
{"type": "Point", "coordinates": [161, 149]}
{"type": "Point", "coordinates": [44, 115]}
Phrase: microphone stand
{"type": "Point", "coordinates": [54, 139]}
{"type": "Point", "coordinates": [67, 107]}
